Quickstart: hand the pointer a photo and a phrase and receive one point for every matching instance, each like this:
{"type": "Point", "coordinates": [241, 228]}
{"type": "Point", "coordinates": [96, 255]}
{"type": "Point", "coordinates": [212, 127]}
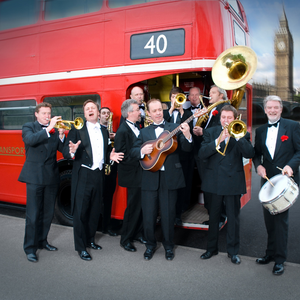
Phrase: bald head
{"type": "Point", "coordinates": [137, 94]}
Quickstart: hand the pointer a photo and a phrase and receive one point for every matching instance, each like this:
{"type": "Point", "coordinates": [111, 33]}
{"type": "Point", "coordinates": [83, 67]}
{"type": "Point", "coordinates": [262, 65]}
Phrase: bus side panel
{"type": "Point", "coordinates": [12, 158]}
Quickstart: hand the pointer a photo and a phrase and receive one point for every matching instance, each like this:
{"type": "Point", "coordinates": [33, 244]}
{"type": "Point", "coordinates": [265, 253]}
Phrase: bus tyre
{"type": "Point", "coordinates": [63, 199]}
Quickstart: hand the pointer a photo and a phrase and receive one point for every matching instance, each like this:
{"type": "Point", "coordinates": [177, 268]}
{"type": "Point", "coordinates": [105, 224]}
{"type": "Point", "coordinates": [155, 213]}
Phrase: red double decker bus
{"type": "Point", "coordinates": [64, 52]}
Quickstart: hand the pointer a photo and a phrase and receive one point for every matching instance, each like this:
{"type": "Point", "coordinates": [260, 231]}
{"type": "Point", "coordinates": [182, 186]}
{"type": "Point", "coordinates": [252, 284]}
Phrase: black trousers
{"type": "Point", "coordinates": [277, 227]}
{"type": "Point", "coordinates": [88, 201]}
{"type": "Point", "coordinates": [233, 205]}
{"type": "Point", "coordinates": [133, 219]}
{"type": "Point", "coordinates": [39, 214]}
{"type": "Point", "coordinates": [165, 200]}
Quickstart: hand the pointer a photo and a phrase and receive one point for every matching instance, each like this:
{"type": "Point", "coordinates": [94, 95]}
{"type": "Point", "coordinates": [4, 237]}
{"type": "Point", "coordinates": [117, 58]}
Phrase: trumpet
{"type": "Point", "coordinates": [237, 129]}
{"type": "Point", "coordinates": [78, 124]}
{"type": "Point", "coordinates": [180, 99]}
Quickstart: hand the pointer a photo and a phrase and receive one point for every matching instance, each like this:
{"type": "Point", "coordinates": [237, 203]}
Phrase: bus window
{"type": "Point", "coordinates": [70, 107]}
{"type": "Point", "coordinates": [121, 3]}
{"type": "Point", "coordinates": [15, 13]}
{"type": "Point", "coordinates": [13, 114]}
{"type": "Point", "coordinates": [239, 34]}
{"type": "Point", "coordinates": [56, 9]}
{"type": "Point", "coordinates": [235, 6]}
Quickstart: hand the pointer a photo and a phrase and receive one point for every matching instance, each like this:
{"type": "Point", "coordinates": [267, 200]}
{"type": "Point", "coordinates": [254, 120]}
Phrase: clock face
{"type": "Point", "coordinates": [281, 46]}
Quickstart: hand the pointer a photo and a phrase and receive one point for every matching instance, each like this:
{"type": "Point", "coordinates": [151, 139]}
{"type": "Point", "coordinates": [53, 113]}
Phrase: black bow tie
{"type": "Point", "coordinates": [142, 107]}
{"type": "Point", "coordinates": [274, 124]}
{"type": "Point", "coordinates": [195, 107]}
{"type": "Point", "coordinates": [44, 126]}
{"type": "Point", "coordinates": [162, 125]}
{"type": "Point", "coordinates": [134, 124]}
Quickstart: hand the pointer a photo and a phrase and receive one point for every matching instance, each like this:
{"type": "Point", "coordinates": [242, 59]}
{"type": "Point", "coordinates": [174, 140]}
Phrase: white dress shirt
{"type": "Point", "coordinates": [271, 139]}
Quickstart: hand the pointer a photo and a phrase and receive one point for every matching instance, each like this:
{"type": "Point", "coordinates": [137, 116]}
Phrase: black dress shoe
{"type": "Point", "coordinates": [32, 257]}
{"type": "Point", "coordinates": [208, 254]}
{"type": "Point", "coordinates": [95, 246]}
{"type": "Point", "coordinates": [235, 259]}
{"type": "Point", "coordinates": [141, 240]}
{"type": "Point", "coordinates": [265, 260]}
{"type": "Point", "coordinates": [128, 247]}
{"type": "Point", "coordinates": [111, 233]}
{"type": "Point", "coordinates": [148, 254]}
{"type": "Point", "coordinates": [50, 248]}
{"type": "Point", "coordinates": [278, 269]}
{"type": "Point", "coordinates": [84, 255]}
{"type": "Point", "coordinates": [169, 254]}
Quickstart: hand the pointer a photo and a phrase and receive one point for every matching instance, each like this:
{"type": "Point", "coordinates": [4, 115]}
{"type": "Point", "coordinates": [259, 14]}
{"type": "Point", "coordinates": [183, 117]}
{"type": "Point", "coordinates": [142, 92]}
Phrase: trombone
{"type": "Point", "coordinates": [78, 124]}
{"type": "Point", "coordinates": [237, 129]}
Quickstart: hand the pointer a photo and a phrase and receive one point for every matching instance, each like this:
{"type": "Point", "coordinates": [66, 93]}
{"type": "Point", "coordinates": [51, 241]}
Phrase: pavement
{"type": "Point", "coordinates": [115, 274]}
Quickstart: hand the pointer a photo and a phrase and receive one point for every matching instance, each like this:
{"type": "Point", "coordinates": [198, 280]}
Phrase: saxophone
{"type": "Point", "coordinates": [107, 167]}
{"type": "Point", "coordinates": [204, 118]}
{"type": "Point", "coordinates": [148, 121]}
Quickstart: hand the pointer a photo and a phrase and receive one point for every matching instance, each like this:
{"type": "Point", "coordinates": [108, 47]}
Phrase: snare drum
{"type": "Point", "coordinates": [281, 197]}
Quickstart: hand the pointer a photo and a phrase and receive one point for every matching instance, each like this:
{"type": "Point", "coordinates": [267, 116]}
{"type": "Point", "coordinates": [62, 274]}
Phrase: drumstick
{"type": "Point", "coordinates": [269, 181]}
{"type": "Point", "coordinates": [282, 170]}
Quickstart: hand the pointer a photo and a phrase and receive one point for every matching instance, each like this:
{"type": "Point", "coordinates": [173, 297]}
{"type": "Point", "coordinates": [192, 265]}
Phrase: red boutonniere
{"type": "Point", "coordinates": [284, 138]}
{"type": "Point", "coordinates": [215, 112]}
{"type": "Point", "coordinates": [52, 131]}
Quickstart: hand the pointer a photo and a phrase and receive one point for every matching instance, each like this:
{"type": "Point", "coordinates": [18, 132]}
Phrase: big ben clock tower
{"type": "Point", "coordinates": [284, 53]}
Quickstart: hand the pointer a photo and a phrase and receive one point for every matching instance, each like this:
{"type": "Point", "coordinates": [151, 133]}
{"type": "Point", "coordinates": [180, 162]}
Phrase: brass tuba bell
{"type": "Point", "coordinates": [233, 69]}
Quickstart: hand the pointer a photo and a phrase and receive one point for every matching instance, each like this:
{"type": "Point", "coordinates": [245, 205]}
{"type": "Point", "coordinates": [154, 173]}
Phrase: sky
{"type": "Point", "coordinates": [263, 20]}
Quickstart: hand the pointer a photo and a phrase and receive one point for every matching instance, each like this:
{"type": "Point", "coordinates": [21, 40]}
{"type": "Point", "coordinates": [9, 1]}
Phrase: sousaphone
{"type": "Point", "coordinates": [233, 69]}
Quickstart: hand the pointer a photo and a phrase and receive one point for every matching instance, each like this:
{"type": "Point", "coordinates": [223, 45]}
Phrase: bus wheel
{"type": "Point", "coordinates": [63, 199]}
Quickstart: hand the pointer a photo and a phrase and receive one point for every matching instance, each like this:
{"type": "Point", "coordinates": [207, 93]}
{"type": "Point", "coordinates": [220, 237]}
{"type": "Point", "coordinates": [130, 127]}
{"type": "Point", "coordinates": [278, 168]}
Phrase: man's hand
{"type": "Point", "coordinates": [112, 136]}
{"type": "Point", "coordinates": [198, 131]}
{"type": "Point", "coordinates": [116, 156]}
{"type": "Point", "coordinates": [53, 122]}
{"type": "Point", "coordinates": [147, 149]}
{"type": "Point", "coordinates": [185, 129]}
{"type": "Point", "coordinates": [73, 147]}
{"type": "Point", "coordinates": [261, 171]}
{"type": "Point", "coordinates": [224, 134]}
{"type": "Point", "coordinates": [287, 170]}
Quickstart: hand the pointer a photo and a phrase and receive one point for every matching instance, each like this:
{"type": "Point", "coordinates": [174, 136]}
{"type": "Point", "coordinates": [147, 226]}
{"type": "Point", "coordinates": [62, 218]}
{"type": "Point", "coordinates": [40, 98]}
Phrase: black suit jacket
{"type": "Point", "coordinates": [286, 152]}
{"type": "Point", "coordinates": [83, 154]}
{"type": "Point", "coordinates": [173, 169]}
{"type": "Point", "coordinates": [224, 175]}
{"type": "Point", "coordinates": [129, 169]}
{"type": "Point", "coordinates": [40, 166]}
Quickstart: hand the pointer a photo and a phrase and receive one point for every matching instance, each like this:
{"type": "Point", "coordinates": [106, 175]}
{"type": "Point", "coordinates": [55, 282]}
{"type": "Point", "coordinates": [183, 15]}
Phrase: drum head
{"type": "Point", "coordinates": [269, 193]}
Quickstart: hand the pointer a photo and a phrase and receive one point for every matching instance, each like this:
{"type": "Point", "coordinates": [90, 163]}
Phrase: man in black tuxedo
{"type": "Point", "coordinates": [177, 115]}
{"type": "Point", "coordinates": [110, 180]}
{"type": "Point", "coordinates": [130, 175]}
{"type": "Point", "coordinates": [277, 144]}
{"type": "Point", "coordinates": [216, 95]}
{"type": "Point", "coordinates": [225, 180]}
{"type": "Point", "coordinates": [91, 150]}
{"type": "Point", "coordinates": [159, 189]}
{"type": "Point", "coordinates": [41, 175]}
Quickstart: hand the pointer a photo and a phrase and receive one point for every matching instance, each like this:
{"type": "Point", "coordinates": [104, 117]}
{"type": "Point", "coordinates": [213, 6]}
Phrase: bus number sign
{"type": "Point", "coordinates": [157, 44]}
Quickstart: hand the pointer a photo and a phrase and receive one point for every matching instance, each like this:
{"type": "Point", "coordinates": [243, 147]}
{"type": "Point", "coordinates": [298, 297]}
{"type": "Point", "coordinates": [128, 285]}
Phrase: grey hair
{"type": "Point", "coordinates": [272, 98]}
{"type": "Point", "coordinates": [221, 91]}
{"type": "Point", "coordinates": [195, 87]}
{"type": "Point", "coordinates": [126, 107]}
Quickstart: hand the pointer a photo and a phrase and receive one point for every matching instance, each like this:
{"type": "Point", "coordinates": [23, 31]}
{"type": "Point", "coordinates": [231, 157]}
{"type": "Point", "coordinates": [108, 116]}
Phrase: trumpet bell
{"type": "Point", "coordinates": [180, 99]}
{"type": "Point", "coordinates": [78, 123]}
